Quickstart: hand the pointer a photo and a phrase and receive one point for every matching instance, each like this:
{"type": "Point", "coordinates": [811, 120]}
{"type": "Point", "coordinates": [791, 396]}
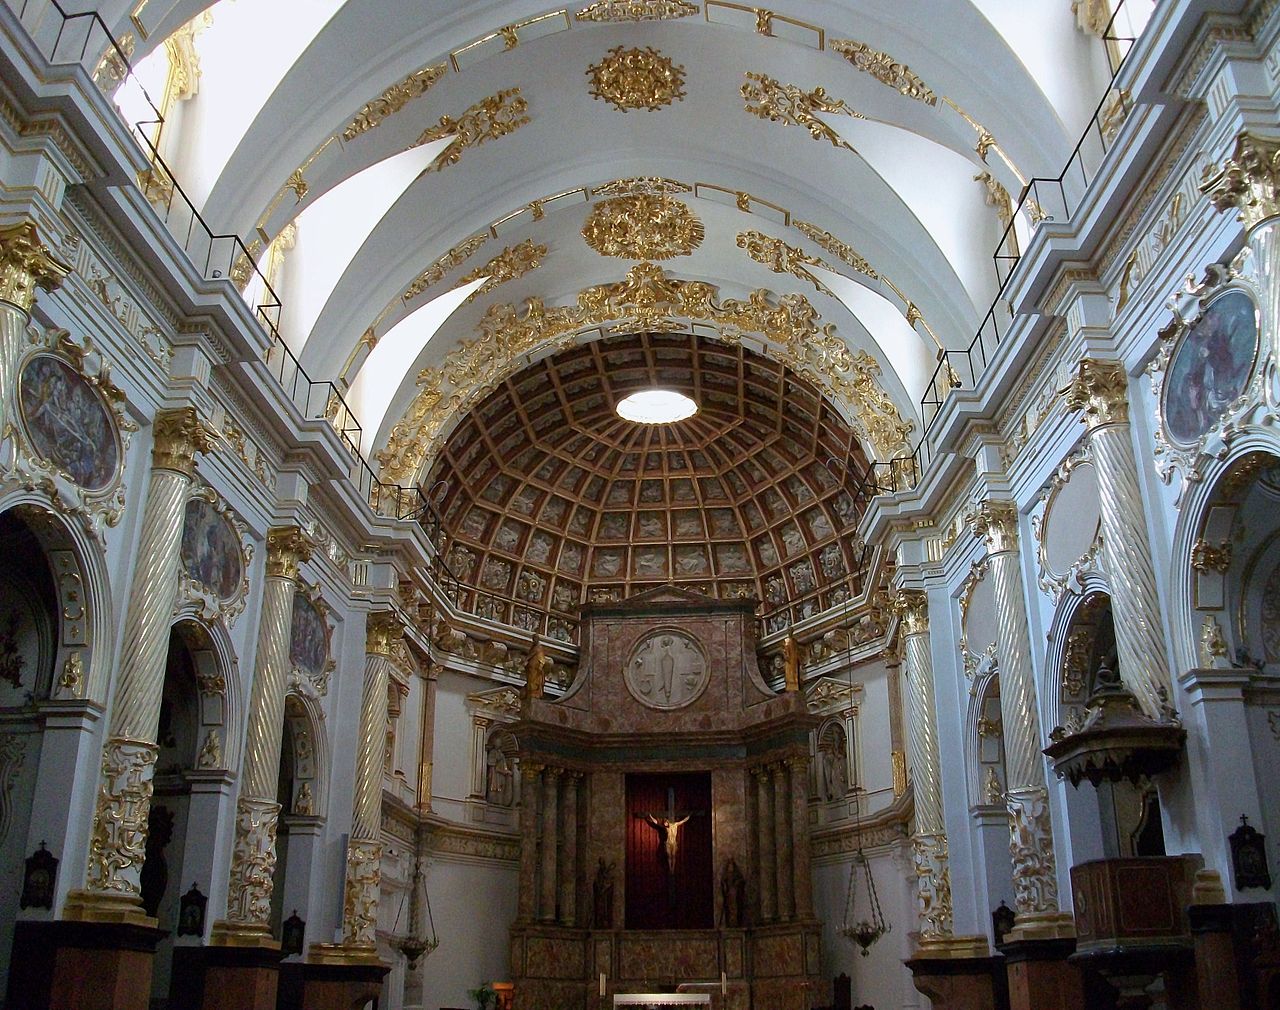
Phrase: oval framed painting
{"type": "Point", "coordinates": [211, 553]}
{"type": "Point", "coordinates": [309, 637]}
{"type": "Point", "coordinates": [68, 422]}
{"type": "Point", "coordinates": [1210, 367]}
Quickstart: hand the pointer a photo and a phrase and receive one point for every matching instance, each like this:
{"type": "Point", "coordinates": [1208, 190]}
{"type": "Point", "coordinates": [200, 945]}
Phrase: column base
{"type": "Point", "coordinates": [241, 976]}
{"type": "Point", "coordinates": [1040, 976]}
{"type": "Point", "coordinates": [95, 965]}
{"type": "Point", "coordinates": [961, 982]}
{"type": "Point", "coordinates": [1042, 926]}
{"type": "Point", "coordinates": [100, 906]}
{"type": "Point", "coordinates": [952, 947]}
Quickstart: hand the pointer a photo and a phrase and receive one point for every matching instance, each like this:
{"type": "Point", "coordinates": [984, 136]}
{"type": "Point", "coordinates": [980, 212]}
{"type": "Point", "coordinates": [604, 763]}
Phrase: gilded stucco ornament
{"type": "Point", "coordinates": [636, 10]}
{"type": "Point", "coordinates": [790, 105]}
{"type": "Point", "coordinates": [846, 253]}
{"type": "Point", "coordinates": [646, 300]}
{"type": "Point", "coordinates": [360, 895]}
{"type": "Point", "coordinates": [488, 119]}
{"type": "Point", "coordinates": [1035, 879]}
{"type": "Point", "coordinates": [513, 262]}
{"type": "Point", "coordinates": [215, 557]}
{"type": "Point", "coordinates": [933, 885]}
{"type": "Point", "coordinates": [253, 861]}
{"type": "Point", "coordinates": [287, 549]}
{"type": "Point", "coordinates": [383, 632]}
{"type": "Point", "coordinates": [118, 844]}
{"type": "Point", "coordinates": [636, 79]}
{"type": "Point", "coordinates": [996, 521]}
{"type": "Point", "coordinates": [27, 264]}
{"type": "Point", "coordinates": [1053, 582]}
{"type": "Point", "coordinates": [393, 99]}
{"type": "Point", "coordinates": [642, 226]}
{"type": "Point", "coordinates": [451, 260]}
{"type": "Point", "coordinates": [912, 608]}
{"type": "Point", "coordinates": [975, 663]}
{"type": "Point", "coordinates": [1101, 389]}
{"type": "Point", "coordinates": [650, 185]}
{"type": "Point", "coordinates": [177, 436]}
{"type": "Point", "coordinates": [884, 68]}
{"type": "Point", "coordinates": [782, 258]}
{"type": "Point", "coordinates": [1248, 180]}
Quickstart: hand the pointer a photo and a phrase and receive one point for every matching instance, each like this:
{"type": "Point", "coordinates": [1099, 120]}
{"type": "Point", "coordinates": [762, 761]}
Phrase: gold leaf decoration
{"type": "Point", "coordinates": [636, 10]}
{"type": "Point", "coordinates": [490, 118]}
{"type": "Point", "coordinates": [782, 258]}
{"type": "Point", "coordinates": [636, 79]}
{"type": "Point", "coordinates": [644, 184]}
{"type": "Point", "coordinates": [846, 253]}
{"type": "Point", "coordinates": [647, 299]}
{"type": "Point", "coordinates": [884, 68]}
{"type": "Point", "coordinates": [435, 273]}
{"type": "Point", "coordinates": [786, 103]}
{"type": "Point", "coordinates": [642, 226]}
{"type": "Point", "coordinates": [512, 262]}
{"type": "Point", "coordinates": [394, 99]}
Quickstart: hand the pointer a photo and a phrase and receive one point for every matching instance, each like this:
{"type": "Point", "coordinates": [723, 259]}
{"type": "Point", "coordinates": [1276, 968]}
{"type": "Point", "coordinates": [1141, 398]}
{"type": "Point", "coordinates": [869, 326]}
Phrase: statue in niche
{"type": "Point", "coordinates": [536, 668]}
{"type": "Point", "coordinates": [602, 895]}
{"type": "Point", "coordinates": [499, 777]}
{"type": "Point", "coordinates": [303, 804]}
{"type": "Point", "coordinates": [791, 662]}
{"type": "Point", "coordinates": [733, 896]}
{"type": "Point", "coordinates": [835, 775]}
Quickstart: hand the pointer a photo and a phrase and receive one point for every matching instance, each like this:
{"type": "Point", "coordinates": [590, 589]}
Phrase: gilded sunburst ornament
{"type": "Point", "coordinates": [642, 226]}
{"type": "Point", "coordinates": [636, 79]}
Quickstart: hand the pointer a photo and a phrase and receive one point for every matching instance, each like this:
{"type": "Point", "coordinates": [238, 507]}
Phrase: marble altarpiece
{"type": "Point", "coordinates": [668, 710]}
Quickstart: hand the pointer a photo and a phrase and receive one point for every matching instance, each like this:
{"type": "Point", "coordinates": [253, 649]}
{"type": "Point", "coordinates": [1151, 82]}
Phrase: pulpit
{"type": "Point", "coordinates": [664, 819]}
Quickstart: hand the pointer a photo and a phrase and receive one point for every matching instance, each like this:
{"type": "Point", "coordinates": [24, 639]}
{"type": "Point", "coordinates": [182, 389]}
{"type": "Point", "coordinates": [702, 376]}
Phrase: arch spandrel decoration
{"type": "Point", "coordinates": [310, 643]}
{"type": "Point", "coordinates": [71, 429]}
{"type": "Point", "coordinates": [1213, 378]}
{"type": "Point", "coordinates": [215, 555]}
{"type": "Point", "coordinates": [647, 300]}
{"type": "Point", "coordinates": [1068, 531]}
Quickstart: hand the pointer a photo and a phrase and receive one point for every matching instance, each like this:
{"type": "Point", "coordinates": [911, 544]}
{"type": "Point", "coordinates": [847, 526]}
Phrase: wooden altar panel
{"type": "Point", "coordinates": [685, 899]}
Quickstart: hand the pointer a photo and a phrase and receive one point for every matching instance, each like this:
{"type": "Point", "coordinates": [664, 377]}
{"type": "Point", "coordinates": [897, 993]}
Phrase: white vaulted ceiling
{"type": "Point", "coordinates": [281, 81]}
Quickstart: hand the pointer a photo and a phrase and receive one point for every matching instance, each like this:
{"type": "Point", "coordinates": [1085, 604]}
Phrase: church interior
{"type": "Point", "coordinates": [649, 503]}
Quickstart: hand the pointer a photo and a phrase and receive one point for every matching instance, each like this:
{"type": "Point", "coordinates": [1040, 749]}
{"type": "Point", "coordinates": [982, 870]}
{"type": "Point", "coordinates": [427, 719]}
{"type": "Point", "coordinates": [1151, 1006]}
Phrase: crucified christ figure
{"type": "Point", "coordinates": [668, 835]}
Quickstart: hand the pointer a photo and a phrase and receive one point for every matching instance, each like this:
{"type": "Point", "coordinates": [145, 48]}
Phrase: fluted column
{"type": "Point", "coordinates": [364, 851]}
{"type": "Point", "coordinates": [25, 264]}
{"type": "Point", "coordinates": [253, 856]}
{"type": "Point", "coordinates": [527, 908]}
{"type": "Point", "coordinates": [569, 849]}
{"type": "Point", "coordinates": [550, 815]}
{"type": "Point", "coordinates": [782, 841]}
{"type": "Point", "coordinates": [801, 870]}
{"type": "Point", "coordinates": [767, 873]}
{"type": "Point", "coordinates": [929, 840]}
{"type": "Point", "coordinates": [1030, 828]}
{"type": "Point", "coordinates": [117, 846]}
{"type": "Point", "coordinates": [1101, 390]}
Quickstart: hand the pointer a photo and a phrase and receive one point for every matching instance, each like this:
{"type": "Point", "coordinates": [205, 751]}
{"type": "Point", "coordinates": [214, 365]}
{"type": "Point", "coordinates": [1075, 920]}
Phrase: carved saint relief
{"type": "Point", "coordinates": [667, 669]}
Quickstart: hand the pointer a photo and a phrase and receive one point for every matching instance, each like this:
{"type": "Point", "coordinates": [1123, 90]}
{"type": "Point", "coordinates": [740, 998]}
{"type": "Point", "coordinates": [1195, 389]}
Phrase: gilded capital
{"type": "Point", "coordinates": [912, 606]}
{"type": "Point", "coordinates": [383, 631]}
{"type": "Point", "coordinates": [25, 264]}
{"type": "Point", "coordinates": [996, 521]}
{"type": "Point", "coordinates": [1101, 390]}
{"type": "Point", "coordinates": [1247, 180]}
{"type": "Point", "coordinates": [177, 435]}
{"type": "Point", "coordinates": [287, 548]}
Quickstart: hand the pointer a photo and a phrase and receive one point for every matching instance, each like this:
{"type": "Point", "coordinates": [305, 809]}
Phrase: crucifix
{"type": "Point", "coordinates": [668, 823]}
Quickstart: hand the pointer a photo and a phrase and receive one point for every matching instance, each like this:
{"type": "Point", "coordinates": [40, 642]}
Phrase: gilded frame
{"type": "Point", "coordinates": [208, 604]}
{"type": "Point", "coordinates": [1055, 584]}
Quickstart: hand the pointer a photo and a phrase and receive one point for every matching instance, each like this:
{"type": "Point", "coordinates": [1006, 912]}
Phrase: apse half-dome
{"type": "Point", "coordinates": [549, 499]}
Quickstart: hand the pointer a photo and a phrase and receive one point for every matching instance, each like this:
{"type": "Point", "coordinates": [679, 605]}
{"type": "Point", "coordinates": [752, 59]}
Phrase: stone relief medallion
{"type": "Point", "coordinates": [643, 226]}
{"type": "Point", "coordinates": [1210, 366]}
{"type": "Point", "coordinates": [67, 422]}
{"type": "Point", "coordinates": [667, 669]}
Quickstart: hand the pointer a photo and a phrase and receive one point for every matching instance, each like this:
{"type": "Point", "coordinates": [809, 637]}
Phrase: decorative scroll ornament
{"type": "Point", "coordinates": [1210, 378]}
{"type": "Point", "coordinates": [118, 845]}
{"type": "Point", "coordinates": [884, 68]}
{"type": "Point", "coordinates": [394, 99]}
{"type": "Point", "coordinates": [360, 896]}
{"type": "Point", "coordinates": [646, 300]}
{"type": "Point", "coordinates": [782, 258]}
{"type": "Point", "coordinates": [785, 103]}
{"type": "Point", "coordinates": [1206, 557]}
{"type": "Point", "coordinates": [1035, 878]}
{"type": "Point", "coordinates": [490, 118]}
{"type": "Point", "coordinates": [514, 261]}
{"type": "Point", "coordinates": [636, 10]}
{"type": "Point", "coordinates": [642, 226]}
{"type": "Point", "coordinates": [435, 273]}
{"type": "Point", "coordinates": [216, 552]}
{"type": "Point", "coordinates": [253, 861]}
{"type": "Point", "coordinates": [27, 264]}
{"type": "Point", "coordinates": [933, 885]}
{"type": "Point", "coordinates": [71, 429]}
{"type": "Point", "coordinates": [1249, 180]}
{"type": "Point", "coordinates": [648, 185]}
{"type": "Point", "coordinates": [636, 79]}
{"type": "Point", "coordinates": [846, 253]}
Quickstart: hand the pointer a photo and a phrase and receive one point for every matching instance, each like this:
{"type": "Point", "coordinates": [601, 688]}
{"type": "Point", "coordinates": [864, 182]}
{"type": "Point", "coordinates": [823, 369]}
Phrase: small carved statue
{"type": "Point", "coordinates": [500, 786]}
{"type": "Point", "coordinates": [536, 668]}
{"type": "Point", "coordinates": [303, 803]}
{"type": "Point", "coordinates": [791, 662]}
{"type": "Point", "coordinates": [211, 753]}
{"type": "Point", "coordinates": [602, 893]}
{"type": "Point", "coordinates": [733, 896]}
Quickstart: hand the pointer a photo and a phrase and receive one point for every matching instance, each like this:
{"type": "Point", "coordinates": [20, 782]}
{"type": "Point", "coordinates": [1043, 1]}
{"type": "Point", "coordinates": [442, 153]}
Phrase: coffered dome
{"type": "Point", "coordinates": [550, 499]}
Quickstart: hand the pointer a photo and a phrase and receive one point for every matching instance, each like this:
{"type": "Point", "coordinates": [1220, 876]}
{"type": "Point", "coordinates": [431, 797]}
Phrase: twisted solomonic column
{"type": "Point", "coordinates": [253, 857]}
{"type": "Point", "coordinates": [1101, 390]}
{"type": "Point", "coordinates": [1035, 877]}
{"type": "Point", "coordinates": [25, 264]}
{"type": "Point", "coordinates": [117, 844]}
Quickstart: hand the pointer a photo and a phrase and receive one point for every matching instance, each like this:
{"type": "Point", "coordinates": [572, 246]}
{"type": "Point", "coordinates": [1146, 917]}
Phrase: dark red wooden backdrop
{"type": "Point", "coordinates": [649, 896]}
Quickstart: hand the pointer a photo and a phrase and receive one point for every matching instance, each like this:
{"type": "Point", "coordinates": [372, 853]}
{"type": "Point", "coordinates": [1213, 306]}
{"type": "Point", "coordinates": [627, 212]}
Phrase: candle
{"type": "Point", "coordinates": [602, 983]}
{"type": "Point", "coordinates": [724, 984]}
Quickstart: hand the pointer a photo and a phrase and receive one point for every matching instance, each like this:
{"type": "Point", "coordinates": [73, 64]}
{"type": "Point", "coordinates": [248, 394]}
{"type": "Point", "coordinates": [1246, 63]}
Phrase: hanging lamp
{"type": "Point", "coordinates": [417, 944]}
